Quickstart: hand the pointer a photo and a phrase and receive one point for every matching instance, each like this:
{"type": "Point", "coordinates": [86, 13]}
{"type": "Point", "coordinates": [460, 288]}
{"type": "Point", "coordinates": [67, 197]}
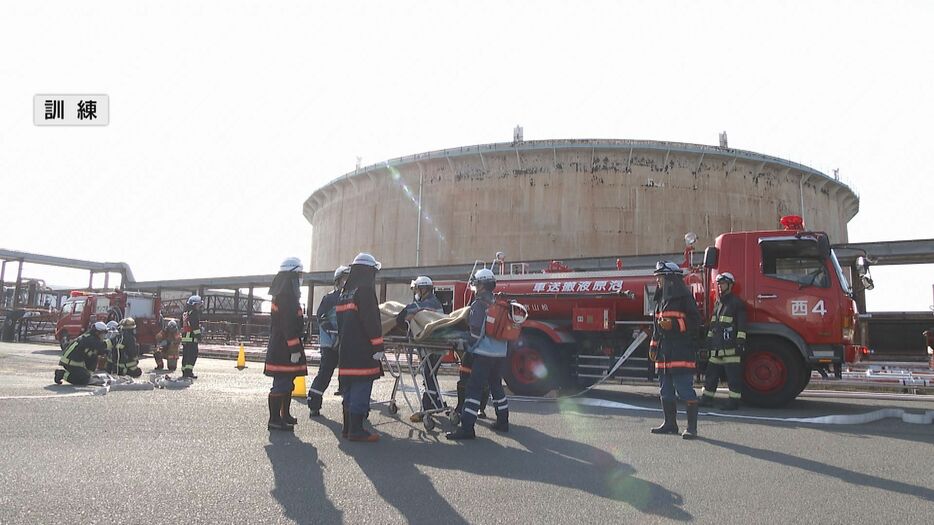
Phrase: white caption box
{"type": "Point", "coordinates": [71, 110]}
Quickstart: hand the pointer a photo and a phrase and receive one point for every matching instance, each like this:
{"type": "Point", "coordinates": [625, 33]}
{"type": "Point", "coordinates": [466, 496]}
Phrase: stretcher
{"type": "Point", "coordinates": [406, 361]}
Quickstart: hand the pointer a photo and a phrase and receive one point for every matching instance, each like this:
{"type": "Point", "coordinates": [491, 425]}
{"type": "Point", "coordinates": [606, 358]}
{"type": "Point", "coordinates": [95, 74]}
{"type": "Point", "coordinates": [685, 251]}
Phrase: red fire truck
{"type": "Point", "coordinates": [801, 314]}
{"type": "Point", "coordinates": [81, 309]}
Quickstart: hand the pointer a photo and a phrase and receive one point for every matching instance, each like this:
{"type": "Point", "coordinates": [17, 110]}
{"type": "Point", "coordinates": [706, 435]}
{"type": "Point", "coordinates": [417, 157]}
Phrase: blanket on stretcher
{"type": "Point", "coordinates": [426, 324]}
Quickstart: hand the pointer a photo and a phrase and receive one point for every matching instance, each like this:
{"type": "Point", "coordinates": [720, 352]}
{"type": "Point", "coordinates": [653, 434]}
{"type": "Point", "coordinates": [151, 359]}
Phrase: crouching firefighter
{"type": "Point", "coordinates": [726, 341]}
{"type": "Point", "coordinates": [285, 353]}
{"type": "Point", "coordinates": [124, 358]}
{"type": "Point", "coordinates": [327, 339]}
{"type": "Point", "coordinates": [360, 349]}
{"type": "Point", "coordinates": [674, 347]}
{"type": "Point", "coordinates": [488, 357]}
{"type": "Point", "coordinates": [80, 357]}
{"type": "Point", "coordinates": [424, 299]}
{"type": "Point", "coordinates": [167, 342]}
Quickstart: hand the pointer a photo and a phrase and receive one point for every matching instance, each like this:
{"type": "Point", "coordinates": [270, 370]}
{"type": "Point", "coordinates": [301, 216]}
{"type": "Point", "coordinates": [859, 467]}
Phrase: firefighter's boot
{"type": "Point", "coordinates": [157, 355]}
{"type": "Point", "coordinates": [501, 424]}
{"type": "Point", "coordinates": [275, 414]}
{"type": "Point", "coordinates": [691, 432]}
{"type": "Point", "coordinates": [173, 364]}
{"type": "Point", "coordinates": [357, 433]}
{"type": "Point", "coordinates": [484, 399]}
{"type": "Point", "coordinates": [731, 404]}
{"type": "Point", "coordinates": [706, 400]}
{"type": "Point", "coordinates": [286, 416]}
{"type": "Point", "coordinates": [59, 375]}
{"type": "Point", "coordinates": [462, 432]}
{"type": "Point", "coordinates": [670, 426]}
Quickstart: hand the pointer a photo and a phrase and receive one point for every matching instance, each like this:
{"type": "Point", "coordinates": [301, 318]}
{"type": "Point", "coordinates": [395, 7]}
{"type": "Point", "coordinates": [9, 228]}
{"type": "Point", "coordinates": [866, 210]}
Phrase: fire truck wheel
{"type": "Point", "coordinates": [533, 367]}
{"type": "Point", "coordinates": [773, 373]}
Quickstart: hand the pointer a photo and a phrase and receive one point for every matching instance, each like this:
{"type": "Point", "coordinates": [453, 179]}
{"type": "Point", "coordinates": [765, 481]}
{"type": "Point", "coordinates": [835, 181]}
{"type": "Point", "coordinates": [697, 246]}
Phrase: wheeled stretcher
{"type": "Point", "coordinates": [407, 362]}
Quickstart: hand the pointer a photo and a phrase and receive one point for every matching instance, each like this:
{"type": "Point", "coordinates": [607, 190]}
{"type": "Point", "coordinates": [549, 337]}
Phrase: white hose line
{"type": "Point", "coordinates": [836, 419]}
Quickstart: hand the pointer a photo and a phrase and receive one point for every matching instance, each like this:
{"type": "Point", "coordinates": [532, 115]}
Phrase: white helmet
{"type": "Point", "coordinates": [726, 277]}
{"type": "Point", "coordinates": [98, 327]}
{"type": "Point", "coordinates": [667, 268]}
{"type": "Point", "coordinates": [484, 275]}
{"type": "Point", "coordinates": [291, 264]}
{"type": "Point", "coordinates": [341, 271]}
{"type": "Point", "coordinates": [172, 326]}
{"type": "Point", "coordinates": [422, 280]}
{"type": "Point", "coordinates": [194, 299]}
{"type": "Point", "coordinates": [366, 260]}
{"type": "Point", "coordinates": [112, 325]}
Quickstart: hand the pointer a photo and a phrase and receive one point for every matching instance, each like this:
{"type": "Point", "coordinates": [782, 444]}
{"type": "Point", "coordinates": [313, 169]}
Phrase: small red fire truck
{"type": "Point", "coordinates": [81, 309]}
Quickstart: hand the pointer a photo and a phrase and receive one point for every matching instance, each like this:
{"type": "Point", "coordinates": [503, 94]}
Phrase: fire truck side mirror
{"type": "Point", "coordinates": [711, 254]}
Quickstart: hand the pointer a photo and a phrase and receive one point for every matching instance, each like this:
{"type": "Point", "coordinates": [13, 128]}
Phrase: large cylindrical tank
{"type": "Point", "coordinates": [562, 199]}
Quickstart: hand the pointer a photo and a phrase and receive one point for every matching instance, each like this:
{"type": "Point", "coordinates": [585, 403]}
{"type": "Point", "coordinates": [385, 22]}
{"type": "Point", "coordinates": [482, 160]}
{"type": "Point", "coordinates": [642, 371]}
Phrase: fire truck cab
{"type": "Point", "coordinates": [81, 309]}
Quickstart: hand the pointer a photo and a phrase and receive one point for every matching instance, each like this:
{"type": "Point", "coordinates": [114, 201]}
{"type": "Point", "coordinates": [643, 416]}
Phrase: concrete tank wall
{"type": "Point", "coordinates": [562, 199]}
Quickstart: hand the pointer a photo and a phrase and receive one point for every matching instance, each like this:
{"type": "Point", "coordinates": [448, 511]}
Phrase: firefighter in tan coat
{"type": "Point", "coordinates": [168, 341]}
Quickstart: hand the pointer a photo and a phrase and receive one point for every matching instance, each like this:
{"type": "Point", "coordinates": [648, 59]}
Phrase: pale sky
{"type": "Point", "coordinates": [225, 116]}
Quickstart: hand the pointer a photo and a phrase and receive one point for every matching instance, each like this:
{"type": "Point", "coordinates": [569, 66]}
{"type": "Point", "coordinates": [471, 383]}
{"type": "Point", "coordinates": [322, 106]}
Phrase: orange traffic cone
{"type": "Point", "coordinates": [299, 389]}
{"type": "Point", "coordinates": [241, 359]}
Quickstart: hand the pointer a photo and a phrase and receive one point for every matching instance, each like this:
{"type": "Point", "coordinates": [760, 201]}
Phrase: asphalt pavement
{"type": "Point", "coordinates": [202, 454]}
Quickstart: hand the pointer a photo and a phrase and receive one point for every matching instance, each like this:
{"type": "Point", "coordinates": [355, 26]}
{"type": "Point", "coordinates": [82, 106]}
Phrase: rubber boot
{"type": "Point", "coordinates": [59, 375]}
{"type": "Point", "coordinates": [461, 433]}
{"type": "Point", "coordinates": [731, 404]}
{"type": "Point", "coordinates": [706, 401]}
{"type": "Point", "coordinates": [501, 424]}
{"type": "Point", "coordinates": [691, 432]}
{"type": "Point", "coordinates": [173, 364]}
{"type": "Point", "coordinates": [275, 414]}
{"type": "Point", "coordinates": [670, 426]}
{"type": "Point", "coordinates": [286, 416]}
{"type": "Point", "coordinates": [157, 355]}
{"type": "Point", "coordinates": [356, 430]}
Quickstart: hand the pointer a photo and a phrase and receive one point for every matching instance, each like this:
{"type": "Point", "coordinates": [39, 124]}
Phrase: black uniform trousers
{"type": "Point", "coordinates": [486, 373]}
{"type": "Point", "coordinates": [189, 356]}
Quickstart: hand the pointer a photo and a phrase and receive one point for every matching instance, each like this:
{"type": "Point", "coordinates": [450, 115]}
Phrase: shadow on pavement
{"type": "Point", "coordinates": [299, 480]}
{"type": "Point", "coordinates": [392, 467]}
{"type": "Point", "coordinates": [849, 476]}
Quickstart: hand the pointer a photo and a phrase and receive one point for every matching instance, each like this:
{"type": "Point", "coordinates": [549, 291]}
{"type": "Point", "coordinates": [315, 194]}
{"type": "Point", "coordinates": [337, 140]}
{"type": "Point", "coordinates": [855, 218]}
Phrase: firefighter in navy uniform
{"type": "Point", "coordinates": [425, 299]}
{"type": "Point", "coordinates": [123, 360]}
{"type": "Point", "coordinates": [191, 335]}
{"type": "Point", "coordinates": [489, 355]}
{"type": "Point", "coordinates": [327, 340]}
{"type": "Point", "coordinates": [674, 347]}
{"type": "Point", "coordinates": [285, 353]}
{"type": "Point", "coordinates": [726, 341]}
{"type": "Point", "coordinates": [360, 349]}
{"type": "Point", "coordinates": [80, 357]}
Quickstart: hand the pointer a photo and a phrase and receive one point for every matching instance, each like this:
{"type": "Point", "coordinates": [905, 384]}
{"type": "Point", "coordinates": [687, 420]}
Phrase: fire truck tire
{"type": "Point", "coordinates": [533, 366]}
{"type": "Point", "coordinates": [773, 372]}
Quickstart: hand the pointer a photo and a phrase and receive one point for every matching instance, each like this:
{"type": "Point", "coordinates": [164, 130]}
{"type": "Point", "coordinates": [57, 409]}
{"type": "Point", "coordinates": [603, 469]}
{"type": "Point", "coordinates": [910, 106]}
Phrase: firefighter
{"type": "Point", "coordinates": [674, 347]}
{"type": "Point", "coordinates": [424, 298]}
{"type": "Point", "coordinates": [113, 334]}
{"type": "Point", "coordinates": [726, 341]}
{"type": "Point", "coordinates": [167, 342]}
{"type": "Point", "coordinates": [285, 353]}
{"type": "Point", "coordinates": [327, 340]}
{"type": "Point", "coordinates": [489, 355]}
{"type": "Point", "coordinates": [80, 356]}
{"type": "Point", "coordinates": [360, 350]}
{"type": "Point", "coordinates": [123, 360]}
{"type": "Point", "coordinates": [191, 335]}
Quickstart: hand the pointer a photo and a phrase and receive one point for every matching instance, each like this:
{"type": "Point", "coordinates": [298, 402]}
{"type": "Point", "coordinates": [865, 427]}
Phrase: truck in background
{"type": "Point", "coordinates": [82, 308]}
